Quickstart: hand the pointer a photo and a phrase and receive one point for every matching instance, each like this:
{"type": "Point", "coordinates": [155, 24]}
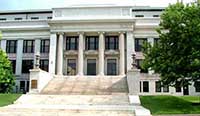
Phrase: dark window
{"type": "Point", "coordinates": [13, 63]}
{"type": "Point", "coordinates": [22, 86]}
{"type": "Point", "coordinates": [165, 88]}
{"type": "Point", "coordinates": [156, 15]}
{"type": "Point", "coordinates": [49, 17]}
{"type": "Point", "coordinates": [44, 65]}
{"type": "Point", "coordinates": [27, 86]}
{"type": "Point", "coordinates": [2, 19]}
{"type": "Point", "coordinates": [71, 67]}
{"type": "Point", "coordinates": [197, 86]}
{"type": "Point", "coordinates": [139, 66]}
{"type": "Point", "coordinates": [91, 43]}
{"type": "Point", "coordinates": [44, 47]}
{"type": "Point", "coordinates": [139, 15]}
{"type": "Point", "coordinates": [34, 18]}
{"type": "Point", "coordinates": [158, 86]}
{"type": "Point", "coordinates": [145, 86]}
{"type": "Point", "coordinates": [111, 42]}
{"type": "Point", "coordinates": [28, 46]}
{"type": "Point", "coordinates": [178, 89]}
{"type": "Point", "coordinates": [111, 67]}
{"type": "Point", "coordinates": [138, 44]}
{"type": "Point", "coordinates": [11, 46]}
{"type": "Point", "coordinates": [18, 18]}
{"type": "Point", "coordinates": [91, 67]}
{"type": "Point", "coordinates": [140, 86]}
{"type": "Point", "coordinates": [27, 65]}
{"type": "Point", "coordinates": [72, 43]}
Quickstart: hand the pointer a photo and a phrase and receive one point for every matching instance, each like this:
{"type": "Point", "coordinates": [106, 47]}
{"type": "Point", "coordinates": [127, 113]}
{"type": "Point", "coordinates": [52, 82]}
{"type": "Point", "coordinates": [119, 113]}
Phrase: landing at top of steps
{"type": "Point", "coordinates": [87, 86]}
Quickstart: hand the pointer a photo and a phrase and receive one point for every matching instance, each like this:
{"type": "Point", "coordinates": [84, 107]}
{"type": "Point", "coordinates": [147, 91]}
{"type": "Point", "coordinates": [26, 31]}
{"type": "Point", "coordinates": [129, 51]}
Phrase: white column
{"type": "Point", "coordinates": [122, 55]}
{"type": "Point", "coordinates": [101, 53]}
{"type": "Point", "coordinates": [3, 44]}
{"type": "Point", "coordinates": [52, 53]}
{"type": "Point", "coordinates": [60, 55]}
{"type": "Point", "coordinates": [19, 57]}
{"type": "Point", "coordinates": [37, 49]}
{"type": "Point", "coordinates": [151, 41]}
{"type": "Point", "coordinates": [80, 54]}
{"type": "Point", "coordinates": [130, 49]}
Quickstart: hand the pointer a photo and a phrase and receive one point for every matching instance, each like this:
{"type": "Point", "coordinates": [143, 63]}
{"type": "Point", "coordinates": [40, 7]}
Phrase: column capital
{"type": "Point", "coordinates": [121, 32]}
{"type": "Point", "coordinates": [101, 32]}
{"type": "Point", "coordinates": [81, 33]}
{"type": "Point", "coordinates": [60, 33]}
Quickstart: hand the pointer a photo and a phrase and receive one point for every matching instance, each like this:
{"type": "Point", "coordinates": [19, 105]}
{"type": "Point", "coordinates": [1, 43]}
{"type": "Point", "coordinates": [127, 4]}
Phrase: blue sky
{"type": "Point", "coordinates": [47, 4]}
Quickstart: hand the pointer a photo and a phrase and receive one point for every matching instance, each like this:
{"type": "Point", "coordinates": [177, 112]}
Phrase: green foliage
{"type": "Point", "coordinates": [7, 80]}
{"type": "Point", "coordinates": [176, 57]}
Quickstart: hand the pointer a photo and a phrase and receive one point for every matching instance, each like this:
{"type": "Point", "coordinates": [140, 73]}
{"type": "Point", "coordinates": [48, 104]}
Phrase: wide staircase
{"type": "Point", "coordinates": [85, 96]}
{"type": "Point", "coordinates": [87, 86]}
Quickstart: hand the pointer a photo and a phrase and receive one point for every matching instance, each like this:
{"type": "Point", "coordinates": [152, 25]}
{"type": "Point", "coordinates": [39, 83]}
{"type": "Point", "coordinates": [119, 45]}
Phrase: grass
{"type": "Point", "coordinates": [6, 99]}
{"type": "Point", "coordinates": [171, 104]}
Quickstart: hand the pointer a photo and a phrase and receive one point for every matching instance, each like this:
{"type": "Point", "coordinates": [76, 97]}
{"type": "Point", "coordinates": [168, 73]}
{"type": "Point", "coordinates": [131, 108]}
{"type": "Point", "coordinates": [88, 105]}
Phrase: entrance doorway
{"type": "Point", "coordinates": [91, 67]}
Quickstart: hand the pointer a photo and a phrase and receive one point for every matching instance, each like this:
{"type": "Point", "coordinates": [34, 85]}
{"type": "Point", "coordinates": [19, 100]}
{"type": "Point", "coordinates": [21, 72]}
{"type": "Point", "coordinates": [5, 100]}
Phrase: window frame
{"type": "Point", "coordinates": [138, 47]}
{"type": "Point", "coordinates": [11, 48]}
{"type": "Point", "coordinates": [44, 48]}
{"type": "Point", "coordinates": [26, 46]}
{"type": "Point", "coordinates": [28, 65]}
{"type": "Point", "coordinates": [71, 45]}
{"type": "Point", "coordinates": [89, 45]}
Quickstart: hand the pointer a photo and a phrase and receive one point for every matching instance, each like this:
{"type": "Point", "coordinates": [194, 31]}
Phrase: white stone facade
{"type": "Point", "coordinates": [125, 23]}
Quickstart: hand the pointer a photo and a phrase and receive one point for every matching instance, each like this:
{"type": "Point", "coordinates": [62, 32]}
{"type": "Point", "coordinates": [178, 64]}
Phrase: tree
{"type": "Point", "coordinates": [7, 80]}
{"type": "Point", "coordinates": [176, 57]}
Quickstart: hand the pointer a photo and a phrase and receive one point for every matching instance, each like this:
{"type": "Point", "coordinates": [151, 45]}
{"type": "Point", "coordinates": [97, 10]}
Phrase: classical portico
{"type": "Point", "coordinates": [90, 45]}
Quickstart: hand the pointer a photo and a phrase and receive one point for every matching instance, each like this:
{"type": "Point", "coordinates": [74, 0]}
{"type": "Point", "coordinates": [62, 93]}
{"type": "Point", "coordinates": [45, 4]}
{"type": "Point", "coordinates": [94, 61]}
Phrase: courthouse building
{"type": "Point", "coordinates": [83, 41]}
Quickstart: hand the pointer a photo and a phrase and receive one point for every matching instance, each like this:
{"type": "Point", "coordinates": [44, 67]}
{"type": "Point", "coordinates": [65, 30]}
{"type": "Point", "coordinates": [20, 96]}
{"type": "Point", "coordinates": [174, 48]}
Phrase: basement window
{"type": "Point", "coordinates": [139, 15]}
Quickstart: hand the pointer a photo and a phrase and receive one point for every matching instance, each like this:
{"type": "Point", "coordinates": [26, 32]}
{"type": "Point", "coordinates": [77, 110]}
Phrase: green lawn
{"type": "Point", "coordinates": [171, 104]}
{"type": "Point", "coordinates": [6, 99]}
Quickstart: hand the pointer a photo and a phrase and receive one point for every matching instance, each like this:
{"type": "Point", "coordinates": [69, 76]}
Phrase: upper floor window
{"type": "Point", "coordinates": [44, 65]}
{"type": "Point", "coordinates": [111, 42]}
{"type": "Point", "coordinates": [138, 44]}
{"type": "Point", "coordinates": [139, 15]}
{"type": "Point", "coordinates": [44, 46]}
{"type": "Point", "coordinates": [156, 15]}
{"type": "Point", "coordinates": [72, 43]}
{"type": "Point", "coordinates": [18, 18]}
{"type": "Point", "coordinates": [34, 18]}
{"type": "Point", "coordinates": [11, 46]}
{"type": "Point", "coordinates": [2, 19]}
{"type": "Point", "coordinates": [49, 17]}
{"type": "Point", "coordinates": [91, 43]}
{"type": "Point", "coordinates": [27, 65]}
{"type": "Point", "coordinates": [28, 46]}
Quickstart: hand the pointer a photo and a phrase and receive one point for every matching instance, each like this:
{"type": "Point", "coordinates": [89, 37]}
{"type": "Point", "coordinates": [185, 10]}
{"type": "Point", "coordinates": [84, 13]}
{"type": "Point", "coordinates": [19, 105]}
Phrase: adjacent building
{"type": "Point", "coordinates": [78, 41]}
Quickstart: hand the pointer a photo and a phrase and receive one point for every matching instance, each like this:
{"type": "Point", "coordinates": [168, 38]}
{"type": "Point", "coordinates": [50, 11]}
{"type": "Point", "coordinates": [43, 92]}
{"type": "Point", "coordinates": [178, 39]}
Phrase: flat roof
{"type": "Point", "coordinates": [30, 11]}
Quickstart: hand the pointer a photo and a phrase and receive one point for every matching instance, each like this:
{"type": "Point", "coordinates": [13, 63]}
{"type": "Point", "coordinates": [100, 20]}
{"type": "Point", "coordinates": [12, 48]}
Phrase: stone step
{"type": "Point", "coordinates": [86, 86]}
{"type": "Point", "coordinates": [61, 112]}
{"type": "Point", "coordinates": [74, 99]}
{"type": "Point", "coordinates": [75, 107]}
